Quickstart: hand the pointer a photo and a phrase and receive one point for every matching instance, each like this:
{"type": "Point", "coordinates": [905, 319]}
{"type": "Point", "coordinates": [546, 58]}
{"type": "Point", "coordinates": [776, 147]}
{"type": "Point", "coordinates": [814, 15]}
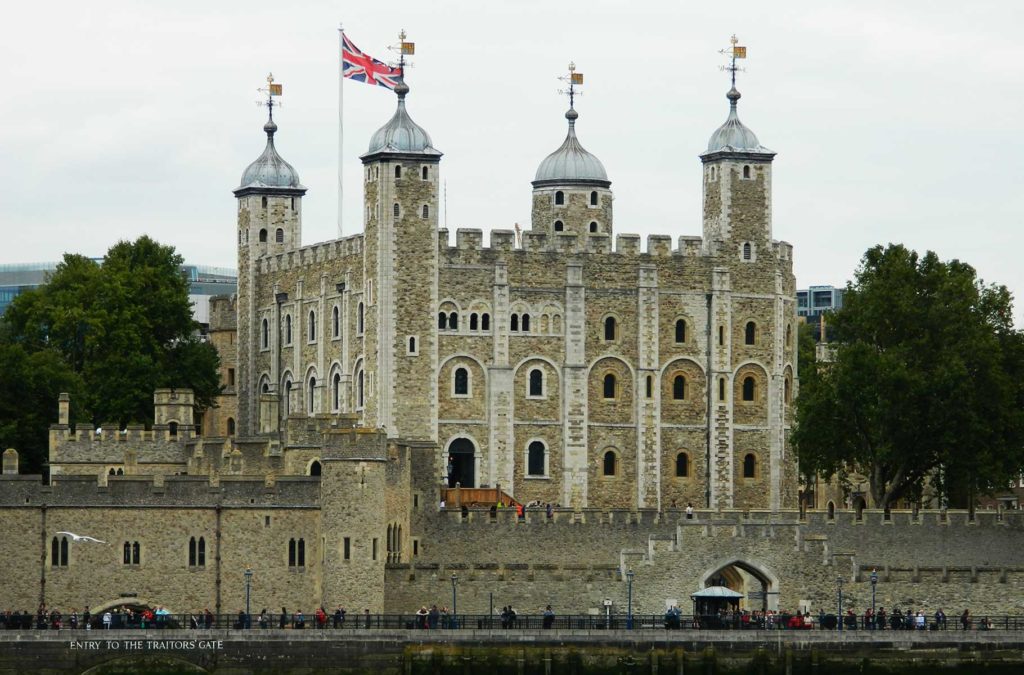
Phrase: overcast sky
{"type": "Point", "coordinates": [892, 121]}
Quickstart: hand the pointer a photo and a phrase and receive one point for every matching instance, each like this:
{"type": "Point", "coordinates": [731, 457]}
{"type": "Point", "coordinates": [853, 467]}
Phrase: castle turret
{"type": "Point", "coordinates": [737, 189]}
{"type": "Point", "coordinates": [571, 188]}
{"type": "Point", "coordinates": [269, 222]}
{"type": "Point", "coordinates": [395, 387]}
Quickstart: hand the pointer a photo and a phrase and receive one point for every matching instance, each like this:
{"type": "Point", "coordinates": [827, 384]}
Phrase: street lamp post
{"type": "Point", "coordinates": [455, 602]}
{"type": "Point", "coordinates": [248, 585]}
{"type": "Point", "coordinates": [839, 581]}
{"type": "Point", "coordinates": [629, 601]}
{"type": "Point", "coordinates": [874, 582]}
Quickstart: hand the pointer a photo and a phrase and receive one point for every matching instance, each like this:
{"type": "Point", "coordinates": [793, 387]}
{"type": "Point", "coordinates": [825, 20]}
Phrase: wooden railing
{"type": "Point", "coordinates": [458, 496]}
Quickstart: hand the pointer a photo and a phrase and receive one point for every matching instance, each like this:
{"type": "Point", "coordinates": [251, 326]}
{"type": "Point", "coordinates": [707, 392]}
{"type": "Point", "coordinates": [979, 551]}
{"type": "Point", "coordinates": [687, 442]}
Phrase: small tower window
{"type": "Point", "coordinates": [535, 459]}
{"type": "Point", "coordinates": [680, 331]}
{"type": "Point", "coordinates": [485, 321]}
{"type": "Point", "coordinates": [293, 203]}
{"type": "Point", "coordinates": [712, 172]}
{"type": "Point", "coordinates": [442, 321]}
{"type": "Point", "coordinates": [461, 382]}
{"type": "Point", "coordinates": [315, 468]}
{"type": "Point", "coordinates": [650, 387]}
{"type": "Point", "coordinates": [559, 198]}
{"type": "Point", "coordinates": [526, 323]}
{"type": "Point", "coordinates": [359, 319]}
{"type": "Point", "coordinates": [231, 426]}
{"type": "Point", "coordinates": [746, 171]}
{"type": "Point", "coordinates": [265, 337]}
{"type": "Point", "coordinates": [396, 210]}
{"type": "Point", "coordinates": [593, 198]}
{"type": "Point", "coordinates": [537, 382]}
{"type": "Point", "coordinates": [336, 322]}
{"type": "Point", "coordinates": [721, 336]}
{"type": "Point", "coordinates": [312, 327]}
{"type": "Point", "coordinates": [609, 386]}
{"type": "Point", "coordinates": [310, 406]}
{"type": "Point", "coordinates": [682, 465]}
{"type": "Point", "coordinates": [426, 172]}
{"type": "Point", "coordinates": [610, 329]}
{"type": "Point", "coordinates": [750, 333]}
{"type": "Point", "coordinates": [412, 344]}
{"type": "Point", "coordinates": [453, 320]}
{"type": "Point", "coordinates": [559, 226]}
{"type": "Point", "coordinates": [263, 236]}
{"type": "Point", "coordinates": [746, 251]}
{"type": "Point", "coordinates": [360, 389]}
{"type": "Point", "coordinates": [679, 388]}
{"type": "Point", "coordinates": [474, 321]}
{"type": "Point", "coordinates": [514, 323]}
{"type": "Point", "coordinates": [336, 392]}
{"type": "Point", "coordinates": [398, 170]}
{"type": "Point", "coordinates": [279, 236]}
{"type": "Point", "coordinates": [788, 392]}
{"type": "Point", "coordinates": [264, 202]}
{"type": "Point", "coordinates": [750, 466]}
{"type": "Point", "coordinates": [748, 388]}
{"type": "Point", "coordinates": [593, 226]}
{"type": "Point", "coordinates": [609, 464]}
{"type": "Point", "coordinates": [287, 329]}
{"type": "Point", "coordinates": [721, 389]}
{"type": "Point", "coordinates": [426, 211]}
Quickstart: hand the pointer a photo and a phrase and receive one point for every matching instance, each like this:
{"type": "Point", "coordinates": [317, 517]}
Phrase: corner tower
{"type": "Point", "coordinates": [400, 263]}
{"type": "Point", "coordinates": [269, 221]}
{"type": "Point", "coordinates": [737, 184]}
{"type": "Point", "coordinates": [571, 190]}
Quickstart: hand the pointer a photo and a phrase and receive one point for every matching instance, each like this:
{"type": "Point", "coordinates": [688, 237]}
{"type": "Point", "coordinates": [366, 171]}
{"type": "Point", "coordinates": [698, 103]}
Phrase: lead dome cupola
{"type": "Point", "coordinates": [733, 136]}
{"type": "Point", "coordinates": [401, 135]}
{"type": "Point", "coordinates": [270, 172]}
{"type": "Point", "coordinates": [571, 163]}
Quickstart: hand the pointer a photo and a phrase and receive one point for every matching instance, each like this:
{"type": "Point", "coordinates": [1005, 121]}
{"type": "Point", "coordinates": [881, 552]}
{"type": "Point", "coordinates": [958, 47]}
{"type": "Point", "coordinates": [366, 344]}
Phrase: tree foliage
{"type": "Point", "coordinates": [112, 332]}
{"type": "Point", "coordinates": [925, 383]}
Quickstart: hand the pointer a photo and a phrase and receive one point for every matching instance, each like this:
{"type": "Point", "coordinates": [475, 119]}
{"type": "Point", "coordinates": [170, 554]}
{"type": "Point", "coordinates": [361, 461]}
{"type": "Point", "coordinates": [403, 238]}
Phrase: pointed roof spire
{"type": "Point", "coordinates": [270, 173]}
{"type": "Point", "coordinates": [733, 136]}
{"type": "Point", "coordinates": [571, 163]}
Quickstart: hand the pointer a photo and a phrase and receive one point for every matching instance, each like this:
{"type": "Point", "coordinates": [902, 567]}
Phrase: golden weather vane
{"type": "Point", "coordinates": [404, 48]}
{"type": "Point", "coordinates": [733, 52]}
{"type": "Point", "coordinates": [573, 78]}
{"type": "Point", "coordinates": [270, 91]}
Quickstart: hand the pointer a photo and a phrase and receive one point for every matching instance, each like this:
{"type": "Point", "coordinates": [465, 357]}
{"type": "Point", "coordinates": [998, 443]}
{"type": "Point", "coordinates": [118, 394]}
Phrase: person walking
{"type": "Point", "coordinates": [549, 617]}
{"type": "Point", "coordinates": [965, 620]}
{"type": "Point", "coordinates": [108, 618]}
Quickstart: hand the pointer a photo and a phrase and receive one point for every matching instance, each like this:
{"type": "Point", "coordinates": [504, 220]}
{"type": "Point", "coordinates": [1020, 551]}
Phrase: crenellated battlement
{"type": "Point", "coordinates": [313, 255]}
{"type": "Point", "coordinates": [538, 241]}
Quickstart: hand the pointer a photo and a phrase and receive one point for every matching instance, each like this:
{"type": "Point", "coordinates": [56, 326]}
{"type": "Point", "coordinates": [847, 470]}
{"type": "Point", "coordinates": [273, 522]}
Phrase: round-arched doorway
{"type": "Point", "coordinates": [461, 463]}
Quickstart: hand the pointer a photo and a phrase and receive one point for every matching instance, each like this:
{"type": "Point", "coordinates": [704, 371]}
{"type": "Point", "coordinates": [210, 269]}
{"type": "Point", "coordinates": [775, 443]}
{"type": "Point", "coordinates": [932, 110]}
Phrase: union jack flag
{"type": "Point", "coordinates": [361, 67]}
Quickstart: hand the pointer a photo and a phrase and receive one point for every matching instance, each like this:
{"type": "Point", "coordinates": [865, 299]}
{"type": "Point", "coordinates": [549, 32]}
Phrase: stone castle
{"type": "Point", "coordinates": [384, 390]}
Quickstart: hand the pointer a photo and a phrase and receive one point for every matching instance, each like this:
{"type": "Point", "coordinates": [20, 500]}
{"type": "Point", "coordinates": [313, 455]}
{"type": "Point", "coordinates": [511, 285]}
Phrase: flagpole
{"type": "Point", "coordinates": [341, 117]}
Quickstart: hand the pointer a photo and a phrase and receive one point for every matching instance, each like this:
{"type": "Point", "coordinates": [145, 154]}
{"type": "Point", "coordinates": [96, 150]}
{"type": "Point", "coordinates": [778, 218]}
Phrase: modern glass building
{"type": "Point", "coordinates": [204, 281]}
{"type": "Point", "coordinates": [815, 301]}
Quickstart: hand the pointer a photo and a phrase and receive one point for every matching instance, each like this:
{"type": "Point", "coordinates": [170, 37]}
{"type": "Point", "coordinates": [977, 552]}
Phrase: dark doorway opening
{"type": "Point", "coordinates": [461, 463]}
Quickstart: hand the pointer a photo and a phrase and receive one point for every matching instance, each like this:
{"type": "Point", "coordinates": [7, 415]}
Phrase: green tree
{"type": "Point", "coordinates": [123, 327]}
{"type": "Point", "coordinates": [924, 382]}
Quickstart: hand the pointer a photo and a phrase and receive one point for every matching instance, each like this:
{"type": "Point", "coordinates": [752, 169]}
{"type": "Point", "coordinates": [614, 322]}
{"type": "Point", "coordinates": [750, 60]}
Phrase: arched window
{"type": "Point", "coordinates": [287, 329]}
{"type": "Point", "coordinates": [396, 210]}
{"type": "Point", "coordinates": [746, 250]}
{"type": "Point", "coordinates": [412, 344]}
{"type": "Point", "coordinates": [679, 388]}
{"type": "Point", "coordinates": [398, 170]}
{"type": "Point", "coordinates": [126, 557]}
{"type": "Point", "coordinates": [314, 468]}
{"type": "Point", "coordinates": [593, 226]}
{"type": "Point", "coordinates": [680, 330]}
{"type": "Point", "coordinates": [453, 320]}
{"type": "Point", "coordinates": [748, 388]}
{"type": "Point", "coordinates": [136, 554]}
{"type": "Point", "coordinates": [442, 320]}
{"type": "Point", "coordinates": [536, 382]}
{"type": "Point", "coordinates": [746, 171]}
{"type": "Point", "coordinates": [336, 392]}
{"type": "Point", "coordinates": [264, 203]}
{"type": "Point", "coordinates": [474, 321]}
{"type": "Point", "coordinates": [310, 406]}
{"type": "Point", "coordinates": [426, 172]}
{"type": "Point", "coordinates": [231, 426]}
{"type": "Point", "coordinates": [173, 428]}
{"type": "Point", "coordinates": [461, 382]}
{"type": "Point", "coordinates": [426, 211]}
{"type": "Point", "coordinates": [265, 335]}
{"type": "Point", "coordinates": [193, 553]}
{"type": "Point", "coordinates": [750, 466]}
{"type": "Point", "coordinates": [514, 322]}
{"type": "Point", "coordinates": [336, 322]}
{"type": "Point", "coordinates": [59, 552]}
{"type": "Point", "coordinates": [750, 333]}
{"type": "Point", "coordinates": [359, 319]}
{"type": "Point", "coordinates": [559, 226]}
{"type": "Point", "coordinates": [609, 385]}
{"type": "Point", "coordinates": [279, 236]}
{"type": "Point", "coordinates": [485, 321]}
{"type": "Point", "coordinates": [287, 397]}
{"type": "Point", "coordinates": [712, 173]}
{"type": "Point", "coordinates": [535, 459]}
{"type": "Point", "coordinates": [609, 464]}
{"type": "Point", "coordinates": [682, 465]}
{"type": "Point", "coordinates": [831, 510]}
{"type": "Point", "coordinates": [265, 387]}
{"type": "Point", "coordinates": [610, 328]}
{"type": "Point", "coordinates": [526, 323]}
{"type": "Point", "coordinates": [263, 236]}
{"type": "Point", "coordinates": [359, 389]}
{"type": "Point", "coordinates": [559, 198]}
{"type": "Point", "coordinates": [312, 327]}
{"type": "Point", "coordinates": [788, 393]}
{"type": "Point", "coordinates": [593, 198]}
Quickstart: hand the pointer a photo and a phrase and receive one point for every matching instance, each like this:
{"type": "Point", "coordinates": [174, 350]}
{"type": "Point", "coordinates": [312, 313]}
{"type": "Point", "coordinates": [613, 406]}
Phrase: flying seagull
{"type": "Point", "coordinates": [81, 537]}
